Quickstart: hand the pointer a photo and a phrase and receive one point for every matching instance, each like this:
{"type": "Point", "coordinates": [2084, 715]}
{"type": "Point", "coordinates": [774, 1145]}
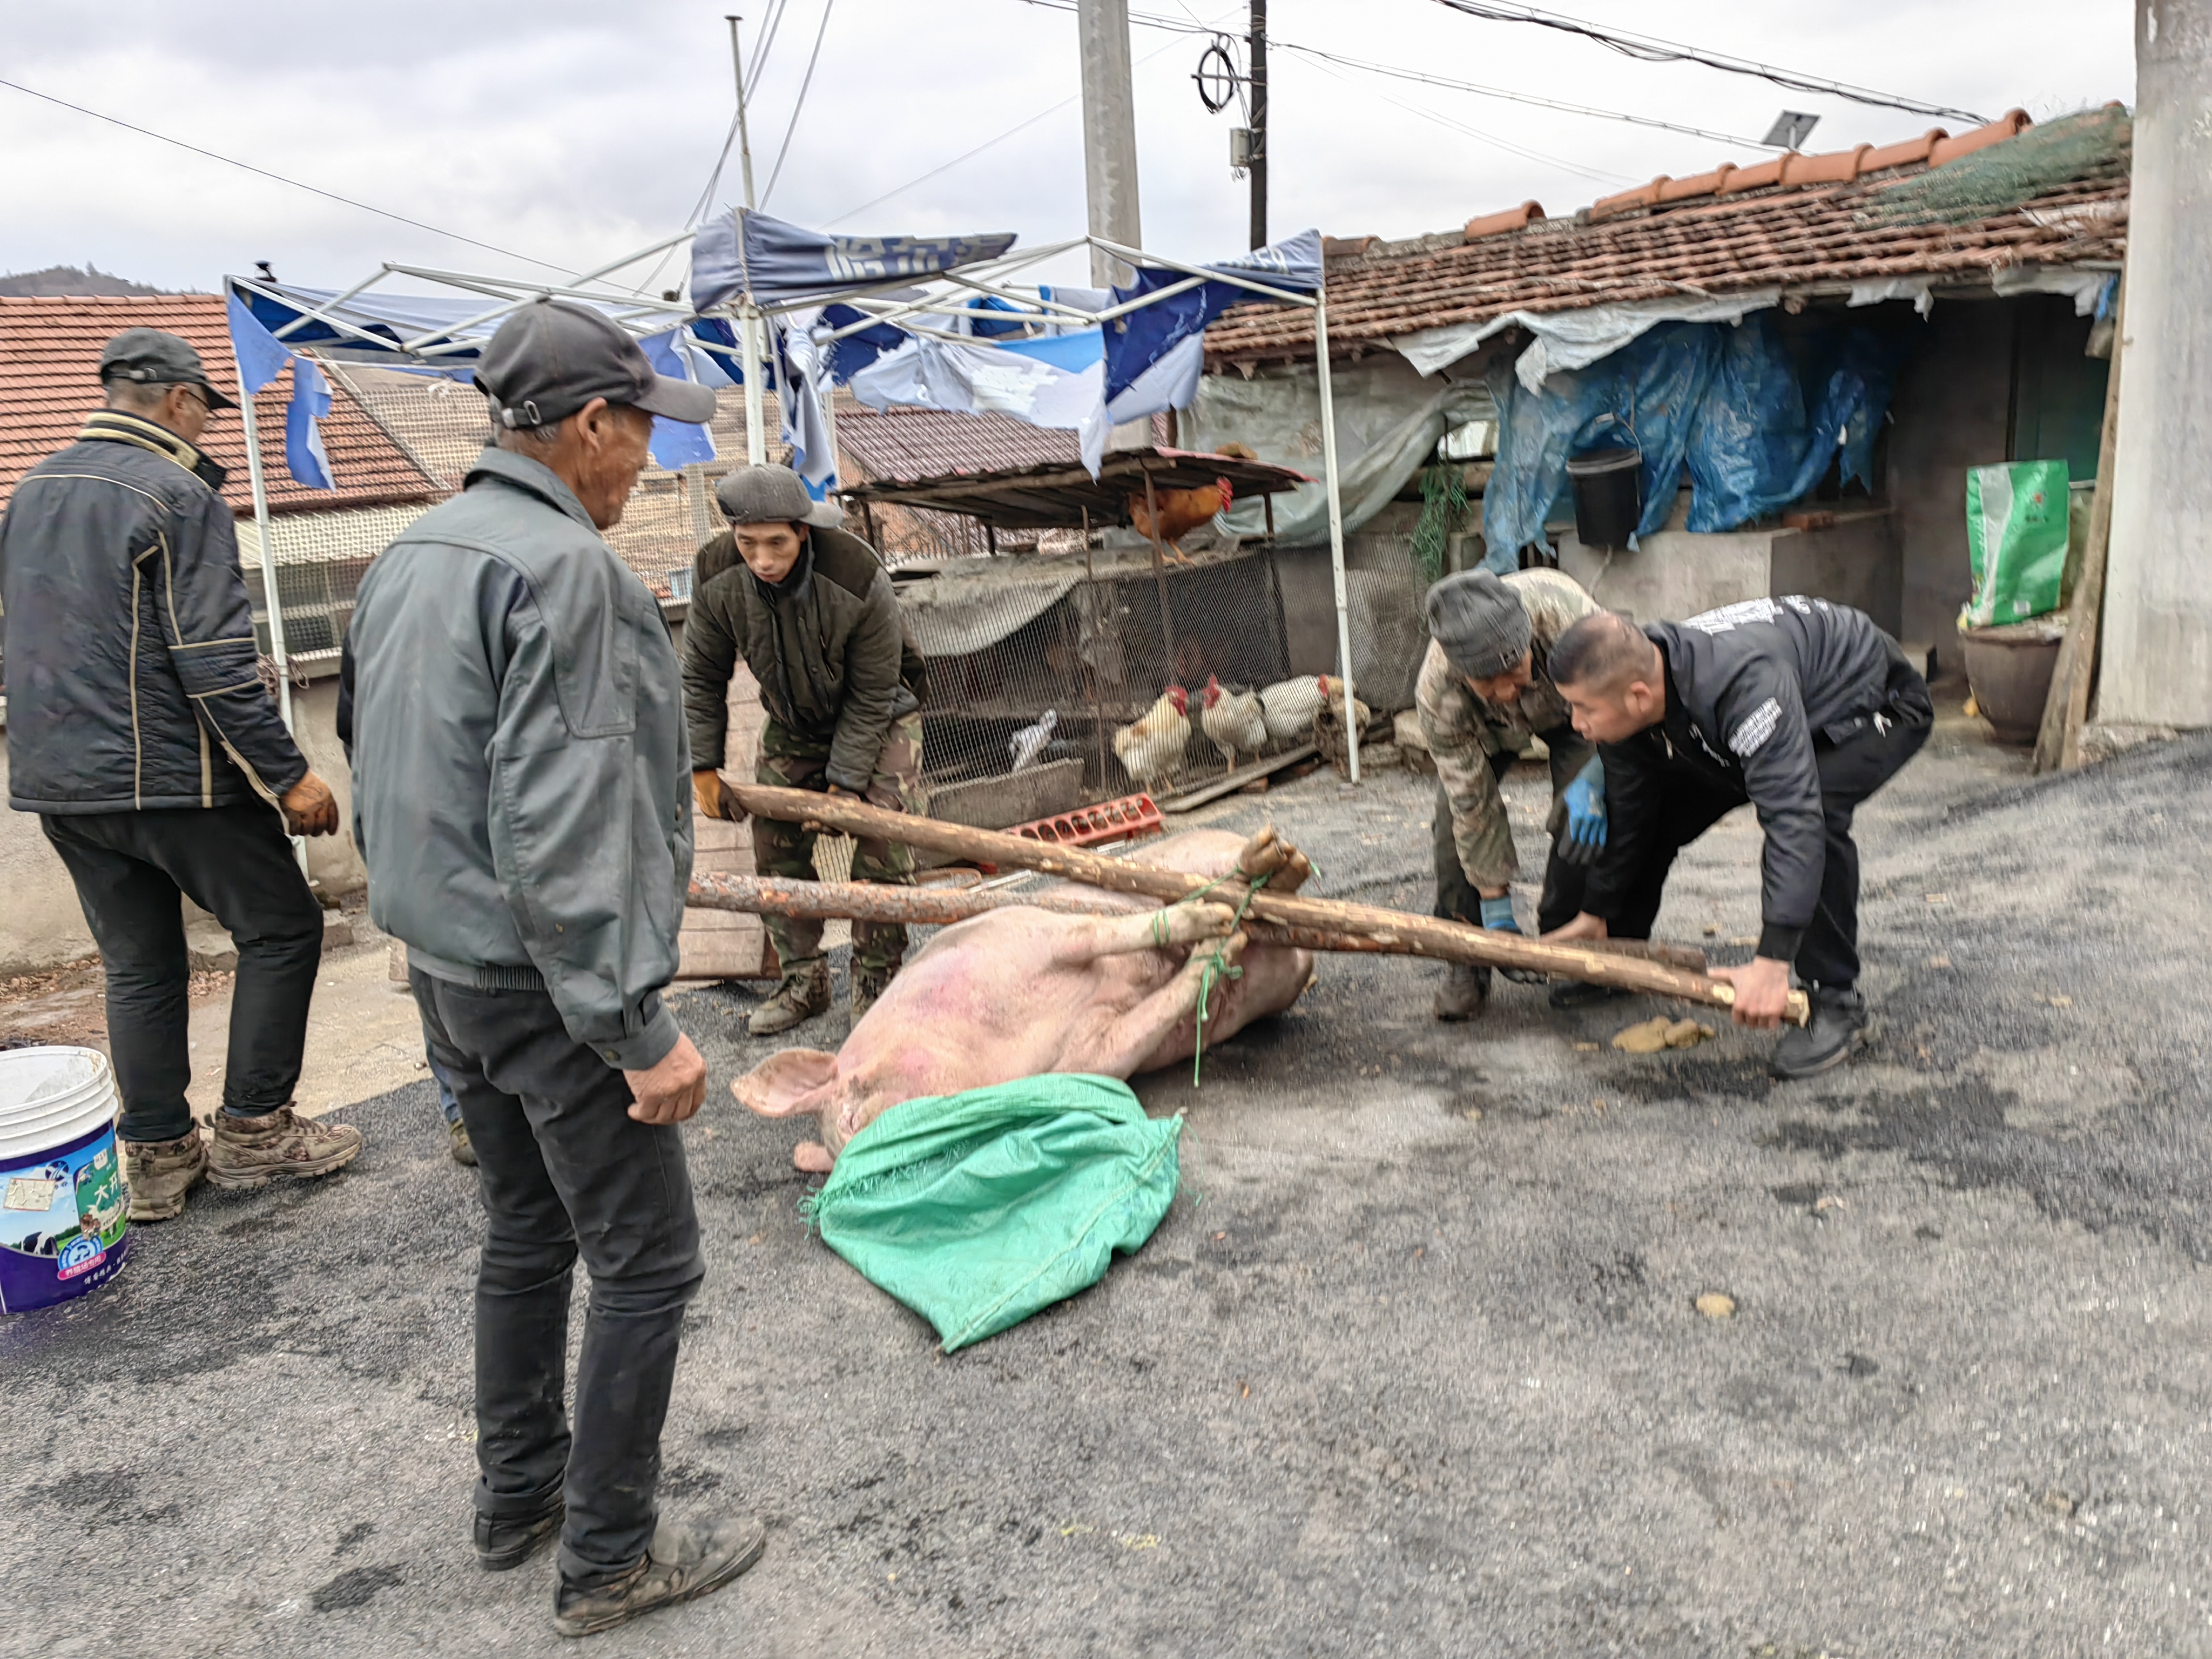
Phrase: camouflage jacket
{"type": "Point", "coordinates": [1464, 732]}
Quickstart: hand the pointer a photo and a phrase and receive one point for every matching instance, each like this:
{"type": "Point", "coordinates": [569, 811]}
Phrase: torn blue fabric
{"type": "Point", "coordinates": [305, 458]}
{"type": "Point", "coordinates": [674, 445]}
{"type": "Point", "coordinates": [1139, 339]}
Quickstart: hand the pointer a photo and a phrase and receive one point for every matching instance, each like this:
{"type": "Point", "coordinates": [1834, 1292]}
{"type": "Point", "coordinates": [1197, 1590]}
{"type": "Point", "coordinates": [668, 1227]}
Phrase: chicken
{"type": "Point", "coordinates": [1181, 511]}
{"type": "Point", "coordinates": [1152, 747]}
{"type": "Point", "coordinates": [1289, 705]}
{"type": "Point", "coordinates": [1232, 720]}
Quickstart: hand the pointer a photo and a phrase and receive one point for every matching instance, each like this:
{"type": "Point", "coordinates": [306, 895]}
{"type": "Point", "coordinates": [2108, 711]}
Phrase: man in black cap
{"type": "Point", "coordinates": [1802, 707]}
{"type": "Point", "coordinates": [809, 608]}
{"type": "Point", "coordinates": [140, 731]}
{"type": "Point", "coordinates": [519, 776]}
{"type": "Point", "coordinates": [1484, 691]}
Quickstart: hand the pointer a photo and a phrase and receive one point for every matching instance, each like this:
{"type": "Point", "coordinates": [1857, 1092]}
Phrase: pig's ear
{"type": "Point", "coordinates": [782, 1084]}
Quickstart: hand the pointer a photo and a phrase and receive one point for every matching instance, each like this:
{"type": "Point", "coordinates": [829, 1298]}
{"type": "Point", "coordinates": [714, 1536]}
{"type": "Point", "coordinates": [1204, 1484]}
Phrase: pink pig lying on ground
{"type": "Point", "coordinates": [1020, 991]}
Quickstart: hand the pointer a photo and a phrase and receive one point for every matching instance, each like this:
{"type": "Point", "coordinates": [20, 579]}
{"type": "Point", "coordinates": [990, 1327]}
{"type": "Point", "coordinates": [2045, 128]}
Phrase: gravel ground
{"type": "Point", "coordinates": [1411, 1367]}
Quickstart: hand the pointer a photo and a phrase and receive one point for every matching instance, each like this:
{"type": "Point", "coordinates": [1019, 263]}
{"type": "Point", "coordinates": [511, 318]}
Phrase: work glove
{"type": "Point", "coordinates": [1585, 836]}
{"type": "Point", "coordinates": [1498, 918]}
{"type": "Point", "coordinates": [715, 801]}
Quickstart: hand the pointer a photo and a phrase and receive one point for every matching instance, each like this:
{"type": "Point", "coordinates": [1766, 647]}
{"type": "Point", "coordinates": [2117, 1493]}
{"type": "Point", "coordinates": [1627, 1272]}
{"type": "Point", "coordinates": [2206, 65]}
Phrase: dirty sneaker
{"type": "Point", "coordinates": [159, 1173]}
{"type": "Point", "coordinates": [687, 1559]}
{"type": "Point", "coordinates": [869, 985]}
{"type": "Point", "coordinates": [800, 997]}
{"type": "Point", "coordinates": [1465, 992]}
{"type": "Point", "coordinates": [457, 1136]}
{"type": "Point", "coordinates": [1839, 1019]}
{"type": "Point", "coordinates": [251, 1152]}
{"type": "Point", "coordinates": [504, 1541]}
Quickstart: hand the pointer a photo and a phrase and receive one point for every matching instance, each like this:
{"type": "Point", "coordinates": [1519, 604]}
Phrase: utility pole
{"type": "Point", "coordinates": [2154, 667]}
{"type": "Point", "coordinates": [1109, 133]}
{"type": "Point", "coordinates": [749, 339]}
{"type": "Point", "coordinates": [1257, 167]}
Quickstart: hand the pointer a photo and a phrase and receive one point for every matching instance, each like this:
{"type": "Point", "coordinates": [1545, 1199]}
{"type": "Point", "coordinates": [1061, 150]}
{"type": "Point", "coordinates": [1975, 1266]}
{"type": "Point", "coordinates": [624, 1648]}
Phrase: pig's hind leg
{"type": "Point", "coordinates": [1082, 940]}
{"type": "Point", "coordinates": [1126, 1041]}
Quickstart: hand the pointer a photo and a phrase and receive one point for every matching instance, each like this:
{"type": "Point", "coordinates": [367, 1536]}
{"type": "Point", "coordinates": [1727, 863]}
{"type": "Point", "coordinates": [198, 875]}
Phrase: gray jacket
{"type": "Point", "coordinates": [520, 778]}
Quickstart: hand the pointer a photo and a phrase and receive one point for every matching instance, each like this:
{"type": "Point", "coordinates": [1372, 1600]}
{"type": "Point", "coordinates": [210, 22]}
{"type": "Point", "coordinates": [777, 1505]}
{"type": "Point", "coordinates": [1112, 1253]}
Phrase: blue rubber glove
{"type": "Point", "coordinates": [1584, 838]}
{"type": "Point", "coordinates": [1498, 915]}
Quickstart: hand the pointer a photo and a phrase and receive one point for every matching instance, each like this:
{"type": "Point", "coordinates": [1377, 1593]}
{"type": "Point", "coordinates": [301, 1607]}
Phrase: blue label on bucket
{"type": "Point", "coordinates": [65, 1222]}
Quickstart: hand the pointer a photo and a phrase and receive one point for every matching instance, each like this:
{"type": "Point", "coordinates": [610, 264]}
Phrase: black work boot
{"type": "Point", "coordinates": [1570, 993]}
{"type": "Point", "coordinates": [1840, 1019]}
{"type": "Point", "coordinates": [687, 1559]}
{"type": "Point", "coordinates": [803, 994]}
{"type": "Point", "coordinates": [1465, 992]}
{"type": "Point", "coordinates": [507, 1541]}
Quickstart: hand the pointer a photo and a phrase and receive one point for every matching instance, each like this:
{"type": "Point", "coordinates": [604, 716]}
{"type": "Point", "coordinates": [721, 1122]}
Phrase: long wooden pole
{"type": "Point", "coordinates": [868, 901]}
{"type": "Point", "coordinates": [1481, 946]}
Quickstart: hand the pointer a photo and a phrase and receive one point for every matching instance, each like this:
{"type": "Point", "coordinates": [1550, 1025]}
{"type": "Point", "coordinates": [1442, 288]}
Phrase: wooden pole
{"type": "Point", "coordinates": [2058, 744]}
{"type": "Point", "coordinates": [863, 901]}
{"type": "Point", "coordinates": [1397, 930]}
{"type": "Point", "coordinates": [1160, 574]}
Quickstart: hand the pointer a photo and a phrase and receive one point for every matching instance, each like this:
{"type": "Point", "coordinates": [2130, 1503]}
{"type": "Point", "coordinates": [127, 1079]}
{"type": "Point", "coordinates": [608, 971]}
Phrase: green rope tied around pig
{"type": "Point", "coordinates": [1217, 967]}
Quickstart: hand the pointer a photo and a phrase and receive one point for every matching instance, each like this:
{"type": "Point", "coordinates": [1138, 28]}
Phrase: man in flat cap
{"type": "Point", "coordinates": [519, 768]}
{"type": "Point", "coordinates": [140, 731]}
{"type": "Point", "coordinates": [809, 608]}
{"type": "Point", "coordinates": [1484, 691]}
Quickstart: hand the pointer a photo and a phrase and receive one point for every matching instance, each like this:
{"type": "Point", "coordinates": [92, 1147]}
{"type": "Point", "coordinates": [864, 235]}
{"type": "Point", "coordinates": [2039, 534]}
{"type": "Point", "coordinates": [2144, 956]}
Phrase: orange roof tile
{"type": "Point", "coordinates": [50, 381]}
{"type": "Point", "coordinates": [1792, 220]}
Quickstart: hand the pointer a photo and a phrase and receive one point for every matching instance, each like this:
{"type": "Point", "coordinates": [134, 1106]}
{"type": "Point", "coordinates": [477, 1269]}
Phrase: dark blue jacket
{"type": "Point", "coordinates": [130, 655]}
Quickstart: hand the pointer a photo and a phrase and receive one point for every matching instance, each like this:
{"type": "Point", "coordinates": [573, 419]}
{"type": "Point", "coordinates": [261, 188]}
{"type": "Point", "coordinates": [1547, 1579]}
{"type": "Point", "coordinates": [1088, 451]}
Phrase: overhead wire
{"type": "Point", "coordinates": [758, 67]}
{"type": "Point", "coordinates": [827, 6]}
{"type": "Point", "coordinates": [1650, 49]}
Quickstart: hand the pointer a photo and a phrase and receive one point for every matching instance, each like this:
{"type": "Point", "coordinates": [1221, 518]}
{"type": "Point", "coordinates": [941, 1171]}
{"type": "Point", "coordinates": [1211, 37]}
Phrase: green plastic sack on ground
{"type": "Point", "coordinates": [2016, 517]}
{"type": "Point", "coordinates": [978, 1209]}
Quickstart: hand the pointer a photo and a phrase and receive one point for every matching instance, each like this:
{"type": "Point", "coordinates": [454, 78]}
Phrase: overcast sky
{"type": "Point", "coordinates": [572, 132]}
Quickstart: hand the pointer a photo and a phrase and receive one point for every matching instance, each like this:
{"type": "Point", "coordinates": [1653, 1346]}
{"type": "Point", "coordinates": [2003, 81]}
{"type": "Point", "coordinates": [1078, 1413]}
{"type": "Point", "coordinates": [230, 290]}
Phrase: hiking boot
{"type": "Point", "coordinates": [1839, 1019]}
{"type": "Point", "coordinates": [868, 985]}
{"type": "Point", "coordinates": [1465, 992]}
{"type": "Point", "coordinates": [1572, 994]}
{"type": "Point", "coordinates": [251, 1152]}
{"type": "Point", "coordinates": [687, 1559]}
{"type": "Point", "coordinates": [457, 1135]}
{"type": "Point", "coordinates": [159, 1173]}
{"type": "Point", "coordinates": [507, 1541]}
{"type": "Point", "coordinates": [802, 995]}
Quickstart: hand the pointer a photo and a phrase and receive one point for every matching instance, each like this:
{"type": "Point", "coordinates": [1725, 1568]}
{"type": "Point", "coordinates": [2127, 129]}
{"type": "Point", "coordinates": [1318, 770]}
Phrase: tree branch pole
{"type": "Point", "coordinates": [867, 901]}
{"type": "Point", "coordinates": [1481, 946]}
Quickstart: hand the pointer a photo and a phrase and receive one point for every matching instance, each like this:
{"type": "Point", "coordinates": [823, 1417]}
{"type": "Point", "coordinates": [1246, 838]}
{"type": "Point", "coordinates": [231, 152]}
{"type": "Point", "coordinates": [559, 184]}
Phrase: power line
{"type": "Point", "coordinates": [1650, 50]}
{"type": "Point", "coordinates": [827, 6]}
{"type": "Point", "coordinates": [759, 65]}
{"type": "Point", "coordinates": [314, 189]}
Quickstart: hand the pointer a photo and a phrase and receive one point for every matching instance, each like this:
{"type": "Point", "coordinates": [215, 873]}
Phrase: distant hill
{"type": "Point", "coordinates": [68, 279]}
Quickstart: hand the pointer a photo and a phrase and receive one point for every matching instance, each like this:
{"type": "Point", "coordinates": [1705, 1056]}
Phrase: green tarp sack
{"type": "Point", "coordinates": [2016, 519]}
{"type": "Point", "coordinates": [976, 1210]}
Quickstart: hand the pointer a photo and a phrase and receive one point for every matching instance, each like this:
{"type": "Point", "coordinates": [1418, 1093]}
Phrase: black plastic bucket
{"type": "Point", "coordinates": [1608, 486]}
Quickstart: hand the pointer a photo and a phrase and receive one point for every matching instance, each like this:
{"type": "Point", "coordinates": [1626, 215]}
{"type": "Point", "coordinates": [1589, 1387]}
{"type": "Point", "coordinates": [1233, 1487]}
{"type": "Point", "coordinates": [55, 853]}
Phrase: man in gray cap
{"type": "Point", "coordinates": [519, 795]}
{"type": "Point", "coordinates": [141, 733]}
{"type": "Point", "coordinates": [1484, 691]}
{"type": "Point", "coordinates": [811, 609]}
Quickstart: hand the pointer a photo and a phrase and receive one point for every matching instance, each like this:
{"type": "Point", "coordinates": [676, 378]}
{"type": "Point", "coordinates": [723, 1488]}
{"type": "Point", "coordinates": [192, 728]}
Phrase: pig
{"type": "Point", "coordinates": [1020, 992]}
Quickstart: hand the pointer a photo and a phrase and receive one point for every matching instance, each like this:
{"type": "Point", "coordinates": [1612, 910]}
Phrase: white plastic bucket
{"type": "Point", "coordinates": [64, 1210]}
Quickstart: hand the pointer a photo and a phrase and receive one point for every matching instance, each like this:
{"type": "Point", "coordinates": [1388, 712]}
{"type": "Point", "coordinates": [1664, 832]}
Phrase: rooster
{"type": "Point", "coordinates": [1150, 748]}
{"type": "Point", "coordinates": [1289, 705]}
{"type": "Point", "coordinates": [1181, 511]}
{"type": "Point", "coordinates": [1232, 720]}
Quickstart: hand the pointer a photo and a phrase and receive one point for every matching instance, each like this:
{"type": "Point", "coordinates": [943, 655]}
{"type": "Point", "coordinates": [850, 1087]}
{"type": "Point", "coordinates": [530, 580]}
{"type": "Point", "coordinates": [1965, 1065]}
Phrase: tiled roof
{"type": "Point", "coordinates": [902, 443]}
{"type": "Point", "coordinates": [1794, 221]}
{"type": "Point", "coordinates": [50, 381]}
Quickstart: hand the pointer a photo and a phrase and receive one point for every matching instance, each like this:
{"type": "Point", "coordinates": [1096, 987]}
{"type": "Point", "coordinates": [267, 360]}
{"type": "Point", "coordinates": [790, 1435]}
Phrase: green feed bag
{"type": "Point", "coordinates": [2016, 519]}
{"type": "Point", "coordinates": [976, 1210]}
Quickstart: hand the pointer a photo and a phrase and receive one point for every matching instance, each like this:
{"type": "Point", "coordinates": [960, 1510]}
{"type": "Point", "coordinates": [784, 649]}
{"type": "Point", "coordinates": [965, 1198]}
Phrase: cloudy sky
{"type": "Point", "coordinates": [572, 132]}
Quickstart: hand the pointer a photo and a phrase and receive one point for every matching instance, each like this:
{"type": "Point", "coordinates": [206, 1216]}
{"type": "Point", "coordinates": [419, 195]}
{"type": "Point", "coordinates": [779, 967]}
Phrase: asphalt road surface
{"type": "Point", "coordinates": [1411, 1367]}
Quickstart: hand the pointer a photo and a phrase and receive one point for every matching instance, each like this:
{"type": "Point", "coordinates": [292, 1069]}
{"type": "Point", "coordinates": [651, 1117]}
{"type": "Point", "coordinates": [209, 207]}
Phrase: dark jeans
{"type": "Point", "coordinates": [1829, 954]}
{"type": "Point", "coordinates": [236, 863]}
{"type": "Point", "coordinates": [1559, 903]}
{"type": "Point", "coordinates": [565, 1170]}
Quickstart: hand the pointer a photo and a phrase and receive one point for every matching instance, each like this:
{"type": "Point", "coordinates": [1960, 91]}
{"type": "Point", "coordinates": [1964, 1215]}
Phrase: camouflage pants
{"type": "Point", "coordinates": [785, 849]}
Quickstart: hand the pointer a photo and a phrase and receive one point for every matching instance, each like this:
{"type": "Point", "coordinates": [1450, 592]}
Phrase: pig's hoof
{"type": "Point", "coordinates": [1194, 922]}
{"type": "Point", "coordinates": [814, 1157]}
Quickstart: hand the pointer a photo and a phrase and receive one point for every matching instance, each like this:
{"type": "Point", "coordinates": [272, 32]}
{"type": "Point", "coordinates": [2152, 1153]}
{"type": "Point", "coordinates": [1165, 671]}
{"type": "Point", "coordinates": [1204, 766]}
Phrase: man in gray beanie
{"type": "Point", "coordinates": [810, 609]}
{"type": "Point", "coordinates": [1484, 691]}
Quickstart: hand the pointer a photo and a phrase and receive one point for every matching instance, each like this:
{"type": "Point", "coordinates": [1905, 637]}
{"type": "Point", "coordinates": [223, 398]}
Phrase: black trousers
{"type": "Point", "coordinates": [1559, 903]}
{"type": "Point", "coordinates": [1829, 954]}
{"type": "Point", "coordinates": [565, 1170]}
{"type": "Point", "coordinates": [236, 863]}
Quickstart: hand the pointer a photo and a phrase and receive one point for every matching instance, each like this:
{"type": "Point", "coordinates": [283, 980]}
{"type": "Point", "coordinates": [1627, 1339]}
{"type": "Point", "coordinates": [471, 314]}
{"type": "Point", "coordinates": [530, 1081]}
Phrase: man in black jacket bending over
{"type": "Point", "coordinates": [1800, 706]}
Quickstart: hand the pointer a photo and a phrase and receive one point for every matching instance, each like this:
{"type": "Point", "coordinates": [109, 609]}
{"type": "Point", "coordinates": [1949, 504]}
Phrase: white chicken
{"type": "Point", "coordinates": [1289, 705]}
{"type": "Point", "coordinates": [1232, 720]}
{"type": "Point", "coordinates": [1152, 747]}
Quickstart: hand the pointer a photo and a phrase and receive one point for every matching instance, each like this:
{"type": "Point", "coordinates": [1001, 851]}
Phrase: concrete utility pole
{"type": "Point", "coordinates": [1257, 168]}
{"type": "Point", "coordinates": [2155, 664]}
{"type": "Point", "coordinates": [1109, 133]}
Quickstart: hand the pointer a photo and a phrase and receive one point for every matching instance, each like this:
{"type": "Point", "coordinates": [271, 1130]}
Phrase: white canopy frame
{"type": "Point", "coordinates": [904, 303]}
